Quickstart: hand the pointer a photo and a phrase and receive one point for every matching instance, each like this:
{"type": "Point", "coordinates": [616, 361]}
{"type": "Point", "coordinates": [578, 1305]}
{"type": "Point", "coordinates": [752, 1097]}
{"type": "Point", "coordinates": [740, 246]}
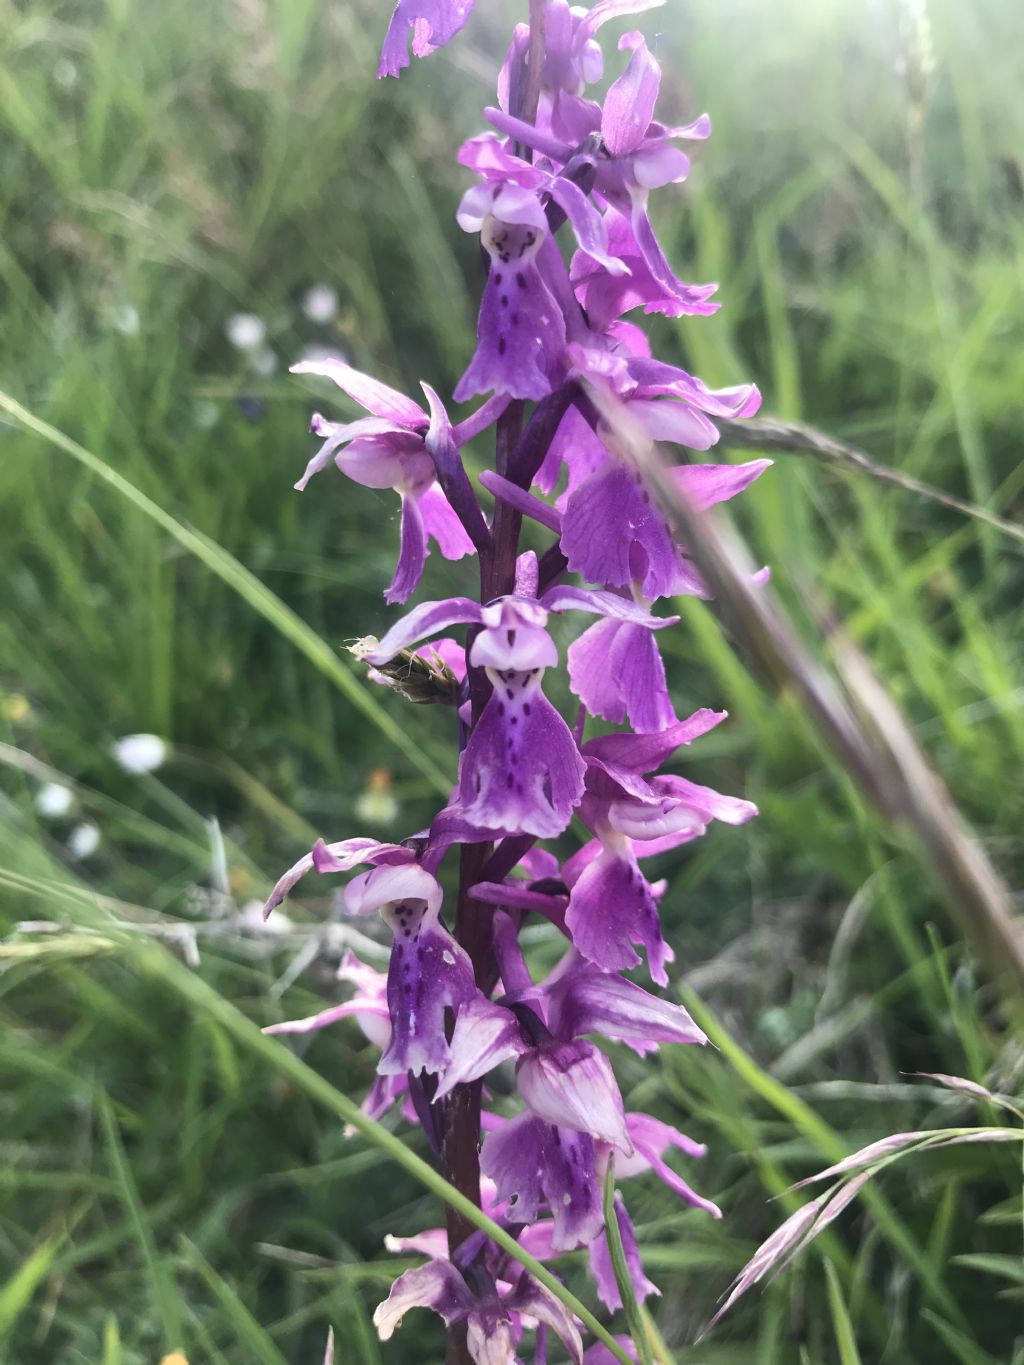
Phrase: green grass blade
{"type": "Point", "coordinates": [961, 1346]}
{"type": "Point", "coordinates": [17, 1292]}
{"type": "Point", "coordinates": [251, 1336]}
{"type": "Point", "coordinates": [991, 1263]}
{"type": "Point", "coordinates": [623, 1279]}
{"type": "Point", "coordinates": [845, 1339]}
{"type": "Point", "coordinates": [243, 582]}
{"type": "Point", "coordinates": [112, 1353]}
{"type": "Point", "coordinates": [806, 1121]}
{"type": "Point", "coordinates": [164, 1296]}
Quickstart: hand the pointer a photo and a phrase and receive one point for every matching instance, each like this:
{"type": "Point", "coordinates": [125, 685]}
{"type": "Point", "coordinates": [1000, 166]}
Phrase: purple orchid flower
{"type": "Point", "coordinates": [388, 449]}
{"type": "Point", "coordinates": [643, 552]}
{"type": "Point", "coordinates": [433, 23]}
{"type": "Point", "coordinates": [522, 328]}
{"type": "Point", "coordinates": [611, 904]}
{"type": "Point", "coordinates": [521, 772]}
{"type": "Point", "coordinates": [573, 59]}
{"type": "Point", "coordinates": [538, 1166]}
{"type": "Point", "coordinates": [459, 999]}
{"type": "Point", "coordinates": [494, 1319]}
{"type": "Point", "coordinates": [369, 1007]}
{"type": "Point", "coordinates": [338, 857]}
{"type": "Point", "coordinates": [577, 1000]}
{"type": "Point", "coordinates": [641, 157]}
{"type": "Point", "coordinates": [429, 972]}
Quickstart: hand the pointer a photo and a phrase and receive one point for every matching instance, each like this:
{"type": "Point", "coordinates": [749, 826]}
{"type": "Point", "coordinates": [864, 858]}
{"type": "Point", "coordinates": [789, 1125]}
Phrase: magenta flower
{"type": "Point", "coordinates": [388, 450]}
{"type": "Point", "coordinates": [521, 333]}
{"type": "Point", "coordinates": [641, 157]}
{"type": "Point", "coordinates": [493, 1317]}
{"type": "Point", "coordinates": [537, 1167]}
{"type": "Point", "coordinates": [570, 259]}
{"type": "Point", "coordinates": [433, 23]}
{"type": "Point", "coordinates": [577, 1000]}
{"type": "Point", "coordinates": [429, 972]}
{"type": "Point", "coordinates": [521, 772]}
{"type": "Point", "coordinates": [612, 905]}
{"type": "Point", "coordinates": [368, 1006]}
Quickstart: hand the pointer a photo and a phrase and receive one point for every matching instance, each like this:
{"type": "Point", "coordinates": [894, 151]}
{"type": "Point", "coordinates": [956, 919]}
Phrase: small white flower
{"type": "Point", "coordinates": [320, 303]}
{"type": "Point", "coordinates": [54, 800]}
{"type": "Point", "coordinates": [245, 331]}
{"type": "Point", "coordinates": [84, 840]}
{"type": "Point", "coordinates": [140, 753]}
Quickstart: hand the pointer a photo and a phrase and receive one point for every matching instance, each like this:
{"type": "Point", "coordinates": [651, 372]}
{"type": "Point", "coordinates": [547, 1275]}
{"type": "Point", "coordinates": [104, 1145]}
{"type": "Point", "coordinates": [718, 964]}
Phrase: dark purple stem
{"type": "Point", "coordinates": [451, 475]}
{"type": "Point", "coordinates": [506, 856]}
{"type": "Point", "coordinates": [552, 565]}
{"type": "Point", "coordinates": [474, 921]}
{"type": "Point", "coordinates": [544, 422]}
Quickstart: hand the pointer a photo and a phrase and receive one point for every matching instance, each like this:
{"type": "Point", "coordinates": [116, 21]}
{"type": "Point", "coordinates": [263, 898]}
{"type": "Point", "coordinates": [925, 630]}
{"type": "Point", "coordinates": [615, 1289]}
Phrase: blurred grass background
{"type": "Point", "coordinates": [167, 168]}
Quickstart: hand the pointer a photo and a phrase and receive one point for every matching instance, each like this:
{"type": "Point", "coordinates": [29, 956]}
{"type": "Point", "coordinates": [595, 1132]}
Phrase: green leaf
{"type": "Point", "coordinates": [963, 1348]}
{"type": "Point", "coordinates": [993, 1263]}
{"type": "Point", "coordinates": [16, 1293]}
{"type": "Point", "coordinates": [246, 584]}
{"type": "Point", "coordinates": [845, 1339]}
{"type": "Point", "coordinates": [164, 1296]}
{"type": "Point", "coordinates": [623, 1280]}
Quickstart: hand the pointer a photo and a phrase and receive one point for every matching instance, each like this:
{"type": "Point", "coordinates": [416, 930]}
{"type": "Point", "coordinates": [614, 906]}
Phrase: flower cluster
{"type": "Point", "coordinates": [501, 1070]}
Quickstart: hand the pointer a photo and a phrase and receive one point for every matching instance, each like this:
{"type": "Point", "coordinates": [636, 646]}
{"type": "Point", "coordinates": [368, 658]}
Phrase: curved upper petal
{"type": "Point", "coordinates": [425, 620]}
{"type": "Point", "coordinates": [369, 393]}
{"type": "Point", "coordinates": [629, 104]}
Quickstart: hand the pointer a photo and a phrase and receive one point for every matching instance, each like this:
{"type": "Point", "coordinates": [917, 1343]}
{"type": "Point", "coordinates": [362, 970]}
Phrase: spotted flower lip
{"type": "Point", "coordinates": [429, 971]}
{"type": "Point", "coordinates": [536, 1165]}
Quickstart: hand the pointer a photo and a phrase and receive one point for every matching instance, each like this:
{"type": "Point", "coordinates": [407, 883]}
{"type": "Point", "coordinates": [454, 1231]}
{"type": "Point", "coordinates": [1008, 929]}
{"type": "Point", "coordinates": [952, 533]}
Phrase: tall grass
{"type": "Point", "coordinates": [168, 166]}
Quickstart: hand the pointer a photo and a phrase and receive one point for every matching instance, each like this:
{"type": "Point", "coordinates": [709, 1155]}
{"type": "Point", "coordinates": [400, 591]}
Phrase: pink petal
{"type": "Point", "coordinates": [442, 524]}
{"type": "Point", "coordinates": [629, 104]}
{"type": "Point", "coordinates": [485, 1035]}
{"type": "Point", "coordinates": [426, 619]}
{"type": "Point", "coordinates": [412, 553]}
{"type": "Point", "coordinates": [707, 484]}
{"type": "Point", "coordinates": [369, 393]}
